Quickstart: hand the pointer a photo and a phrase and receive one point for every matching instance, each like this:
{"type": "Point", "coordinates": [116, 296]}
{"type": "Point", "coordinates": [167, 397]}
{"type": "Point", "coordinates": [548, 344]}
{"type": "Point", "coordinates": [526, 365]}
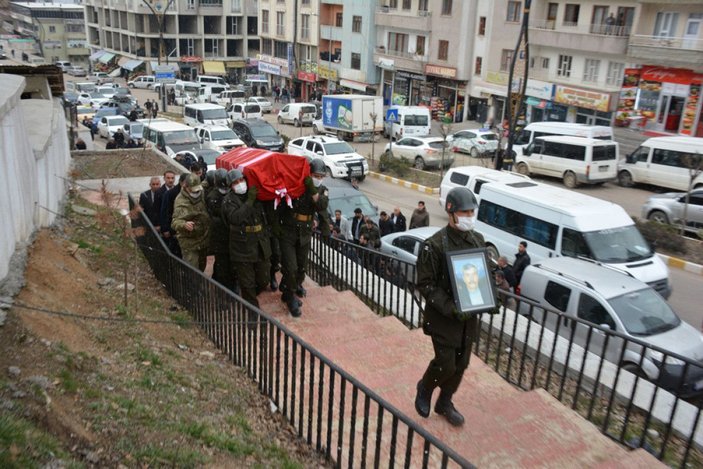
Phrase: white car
{"type": "Point", "coordinates": [264, 103]}
{"type": "Point", "coordinates": [340, 158]}
{"type": "Point", "coordinates": [107, 91]}
{"type": "Point", "coordinates": [100, 77]}
{"type": "Point", "coordinates": [475, 142]}
{"type": "Point", "coordinates": [94, 99]}
{"type": "Point", "coordinates": [242, 110]}
{"type": "Point", "coordinates": [108, 125]}
{"type": "Point", "coordinates": [422, 152]}
{"type": "Point", "coordinates": [318, 127]}
{"type": "Point", "coordinates": [405, 245]}
{"type": "Point", "coordinates": [218, 137]}
{"type": "Point", "coordinates": [144, 81]}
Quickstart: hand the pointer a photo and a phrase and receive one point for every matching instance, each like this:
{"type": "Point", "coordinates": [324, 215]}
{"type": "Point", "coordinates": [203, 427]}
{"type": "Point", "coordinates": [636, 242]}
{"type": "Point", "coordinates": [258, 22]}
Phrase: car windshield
{"type": "Point", "coordinates": [118, 121]}
{"type": "Point", "coordinates": [347, 204]}
{"type": "Point", "coordinates": [420, 120]}
{"type": "Point", "coordinates": [209, 156]}
{"type": "Point", "coordinates": [252, 108]}
{"type": "Point", "coordinates": [617, 245]}
{"type": "Point", "coordinates": [263, 131]}
{"type": "Point", "coordinates": [136, 128]}
{"type": "Point", "coordinates": [181, 137]}
{"type": "Point", "coordinates": [214, 113]}
{"type": "Point", "coordinates": [309, 109]}
{"type": "Point", "coordinates": [223, 134]}
{"type": "Point", "coordinates": [338, 148]}
{"type": "Point", "coordinates": [644, 312]}
{"type": "Point", "coordinates": [84, 110]}
{"type": "Point", "coordinates": [97, 95]}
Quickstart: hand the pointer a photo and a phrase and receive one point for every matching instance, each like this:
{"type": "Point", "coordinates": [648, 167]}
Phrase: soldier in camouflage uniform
{"type": "Point", "coordinates": [452, 332]}
{"type": "Point", "coordinates": [295, 232]}
{"type": "Point", "coordinates": [249, 245]}
{"type": "Point", "coordinates": [219, 232]}
{"type": "Point", "coordinates": [192, 223]}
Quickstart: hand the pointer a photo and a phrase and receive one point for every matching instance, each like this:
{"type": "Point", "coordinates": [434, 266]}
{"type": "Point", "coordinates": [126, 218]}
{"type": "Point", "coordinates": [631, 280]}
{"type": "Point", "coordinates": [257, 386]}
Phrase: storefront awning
{"type": "Point", "coordinates": [132, 64]}
{"type": "Point", "coordinates": [96, 55]}
{"type": "Point", "coordinates": [213, 67]}
{"type": "Point", "coordinates": [538, 103]}
{"type": "Point", "coordinates": [355, 85]}
{"type": "Point", "coordinates": [123, 60]}
{"type": "Point", "coordinates": [106, 57]}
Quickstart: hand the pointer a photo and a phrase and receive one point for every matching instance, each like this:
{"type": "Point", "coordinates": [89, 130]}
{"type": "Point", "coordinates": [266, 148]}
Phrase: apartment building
{"type": "Point", "coordinates": [57, 28]}
{"type": "Point", "coordinates": [423, 52]}
{"type": "Point", "coordinates": [312, 46]}
{"type": "Point", "coordinates": [214, 37]}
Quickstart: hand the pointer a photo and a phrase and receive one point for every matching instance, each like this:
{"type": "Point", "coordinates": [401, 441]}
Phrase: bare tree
{"type": "Point", "coordinates": [445, 130]}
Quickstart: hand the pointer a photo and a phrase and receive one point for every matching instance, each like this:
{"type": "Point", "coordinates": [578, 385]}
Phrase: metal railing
{"type": "Point", "coordinates": [667, 42]}
{"type": "Point", "coordinates": [601, 29]}
{"type": "Point", "coordinates": [598, 372]}
{"type": "Point", "coordinates": [328, 408]}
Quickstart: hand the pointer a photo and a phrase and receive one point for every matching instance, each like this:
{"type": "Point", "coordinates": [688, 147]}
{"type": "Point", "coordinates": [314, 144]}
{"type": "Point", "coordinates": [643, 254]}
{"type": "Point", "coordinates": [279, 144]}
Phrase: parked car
{"type": "Point", "coordinates": [318, 127]}
{"type": "Point", "coordinates": [423, 152]}
{"type": "Point", "coordinates": [669, 208]}
{"type": "Point", "coordinates": [297, 114]}
{"type": "Point", "coordinates": [144, 81]}
{"type": "Point", "coordinates": [405, 245]}
{"type": "Point", "coordinates": [257, 133]}
{"type": "Point", "coordinates": [91, 99]}
{"type": "Point", "coordinates": [107, 91]}
{"type": "Point", "coordinates": [476, 142]}
{"type": "Point", "coordinates": [341, 160]}
{"type": "Point", "coordinates": [244, 110]}
{"type": "Point", "coordinates": [124, 106]}
{"type": "Point", "coordinates": [100, 78]}
{"type": "Point", "coordinates": [85, 114]}
{"type": "Point", "coordinates": [100, 113]}
{"type": "Point", "coordinates": [205, 155]}
{"type": "Point", "coordinates": [69, 97]}
{"type": "Point", "coordinates": [264, 103]}
{"type": "Point", "coordinates": [218, 137]}
{"type": "Point", "coordinates": [77, 71]}
{"type": "Point", "coordinates": [108, 125]}
{"type": "Point", "coordinates": [135, 131]}
{"type": "Point", "coordinates": [345, 197]}
{"type": "Point", "coordinates": [62, 64]}
{"type": "Point", "coordinates": [612, 299]}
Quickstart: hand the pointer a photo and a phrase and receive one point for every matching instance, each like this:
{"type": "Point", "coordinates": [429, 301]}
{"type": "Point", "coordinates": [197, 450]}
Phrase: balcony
{"type": "Point", "coordinates": [391, 18]}
{"type": "Point", "coordinates": [668, 51]}
{"type": "Point", "coordinates": [402, 60]}
{"type": "Point", "coordinates": [598, 38]}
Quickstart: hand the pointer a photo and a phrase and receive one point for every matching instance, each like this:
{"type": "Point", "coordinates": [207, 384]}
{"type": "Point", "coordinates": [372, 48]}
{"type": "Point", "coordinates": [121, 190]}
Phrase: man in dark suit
{"type": "Point", "coordinates": [398, 219]}
{"type": "Point", "coordinates": [150, 203]}
{"type": "Point", "coordinates": [469, 288]}
{"type": "Point", "coordinates": [356, 224]}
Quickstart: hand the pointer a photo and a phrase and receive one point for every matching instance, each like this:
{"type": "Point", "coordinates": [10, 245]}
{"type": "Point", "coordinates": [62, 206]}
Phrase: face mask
{"type": "Point", "coordinates": [222, 190]}
{"type": "Point", "coordinates": [465, 223]}
{"type": "Point", "coordinates": [240, 188]}
{"type": "Point", "coordinates": [317, 182]}
{"type": "Point", "coordinates": [195, 194]}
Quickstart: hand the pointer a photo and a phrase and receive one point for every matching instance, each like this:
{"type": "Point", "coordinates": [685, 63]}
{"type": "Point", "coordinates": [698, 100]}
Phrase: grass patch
{"type": "Point", "coordinates": [22, 445]}
{"type": "Point", "coordinates": [68, 381]}
{"type": "Point", "coordinates": [146, 355]}
{"type": "Point", "coordinates": [160, 456]}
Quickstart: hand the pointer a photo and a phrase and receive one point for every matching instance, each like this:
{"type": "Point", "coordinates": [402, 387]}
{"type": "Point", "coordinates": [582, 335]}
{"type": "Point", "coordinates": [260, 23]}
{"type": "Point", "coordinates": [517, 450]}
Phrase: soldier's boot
{"type": "Point", "coordinates": [274, 282]}
{"type": "Point", "coordinates": [423, 399]}
{"type": "Point", "coordinates": [293, 304]}
{"type": "Point", "coordinates": [301, 292]}
{"type": "Point", "coordinates": [445, 408]}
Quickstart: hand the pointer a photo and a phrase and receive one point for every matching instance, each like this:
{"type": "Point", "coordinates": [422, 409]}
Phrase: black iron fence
{"type": "Point", "coordinates": [332, 411]}
{"type": "Point", "coordinates": [636, 393]}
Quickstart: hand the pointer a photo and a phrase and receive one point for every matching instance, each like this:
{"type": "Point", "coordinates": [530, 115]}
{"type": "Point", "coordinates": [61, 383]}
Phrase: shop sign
{"type": "Point", "coordinates": [290, 64]}
{"type": "Point", "coordinates": [628, 93]}
{"type": "Point", "coordinates": [689, 112]}
{"type": "Point", "coordinates": [190, 59]}
{"type": "Point", "coordinates": [77, 43]}
{"type": "Point", "coordinates": [448, 72]}
{"type": "Point", "coordinates": [310, 67]}
{"type": "Point", "coordinates": [409, 75]}
{"type": "Point", "coordinates": [326, 73]}
{"type": "Point", "coordinates": [235, 64]}
{"type": "Point", "coordinates": [498, 78]}
{"type": "Point", "coordinates": [272, 60]}
{"type": "Point", "coordinates": [257, 78]}
{"type": "Point", "coordinates": [265, 67]}
{"type": "Point", "coordinates": [386, 64]}
{"type": "Point", "coordinates": [307, 76]}
{"type": "Point", "coordinates": [539, 89]}
{"type": "Point", "coordinates": [582, 98]}
{"type": "Point", "coordinates": [681, 76]}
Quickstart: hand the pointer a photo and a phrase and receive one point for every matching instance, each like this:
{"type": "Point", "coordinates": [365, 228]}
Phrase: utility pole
{"type": "Point", "coordinates": [373, 117]}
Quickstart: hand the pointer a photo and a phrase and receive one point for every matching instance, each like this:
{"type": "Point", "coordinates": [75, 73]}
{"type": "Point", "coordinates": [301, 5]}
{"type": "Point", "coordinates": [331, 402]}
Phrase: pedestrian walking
{"type": "Point", "coordinates": [420, 216]}
{"type": "Point", "coordinates": [192, 223]}
{"type": "Point", "coordinates": [155, 109]}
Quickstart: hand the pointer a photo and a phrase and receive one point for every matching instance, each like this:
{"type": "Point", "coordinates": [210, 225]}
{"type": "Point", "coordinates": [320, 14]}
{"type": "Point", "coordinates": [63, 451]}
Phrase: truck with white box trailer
{"type": "Point", "coordinates": [349, 116]}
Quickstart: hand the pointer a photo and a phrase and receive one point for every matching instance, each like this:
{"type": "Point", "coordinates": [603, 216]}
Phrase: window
{"type": "Point", "coordinates": [505, 58]}
{"type": "Point", "coordinates": [482, 26]}
{"type": "Point", "coordinates": [564, 69]}
{"type": "Point", "coordinates": [443, 52]}
{"type": "Point", "coordinates": [665, 24]}
{"type": "Point", "coordinates": [52, 29]}
{"type": "Point", "coordinates": [517, 223]}
{"type": "Point", "coordinates": [305, 26]}
{"type": "Point", "coordinates": [407, 4]}
{"type": "Point", "coordinates": [545, 62]}
{"type": "Point", "coordinates": [574, 245]}
{"type": "Point", "coordinates": [667, 158]}
{"type": "Point", "coordinates": [590, 70]}
{"type": "Point", "coordinates": [406, 243]}
{"type": "Point", "coordinates": [264, 21]}
{"type": "Point", "coordinates": [420, 45]}
{"type": "Point", "coordinates": [423, 5]}
{"type": "Point", "coordinates": [615, 73]}
{"type": "Point", "coordinates": [478, 65]}
{"type": "Point", "coordinates": [571, 14]}
{"type": "Point", "coordinates": [446, 7]}
{"type": "Point", "coordinates": [557, 295]}
{"type": "Point", "coordinates": [459, 178]}
{"type": "Point", "coordinates": [590, 309]}
{"type": "Point", "coordinates": [393, 4]}
{"type": "Point", "coordinates": [338, 19]}
{"type": "Point", "coordinates": [604, 153]}
{"type": "Point", "coordinates": [356, 24]}
{"type": "Point", "coordinates": [280, 23]}
{"type": "Point", "coordinates": [514, 12]}
{"type": "Point", "coordinates": [356, 61]}
{"type": "Point", "coordinates": [397, 42]}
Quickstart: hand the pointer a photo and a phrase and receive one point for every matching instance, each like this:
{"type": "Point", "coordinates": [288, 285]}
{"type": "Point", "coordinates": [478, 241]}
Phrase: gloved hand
{"type": "Point", "coordinates": [310, 186]}
{"type": "Point", "coordinates": [251, 195]}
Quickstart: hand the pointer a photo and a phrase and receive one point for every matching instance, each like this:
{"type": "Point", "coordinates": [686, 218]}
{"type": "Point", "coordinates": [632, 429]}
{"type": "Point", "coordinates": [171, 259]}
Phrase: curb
{"type": "Point", "coordinates": [410, 185]}
{"type": "Point", "coordinates": [677, 263]}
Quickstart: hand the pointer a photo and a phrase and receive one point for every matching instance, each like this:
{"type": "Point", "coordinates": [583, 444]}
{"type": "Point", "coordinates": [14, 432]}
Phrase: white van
{"type": "Point", "coordinates": [210, 80]}
{"type": "Point", "coordinates": [661, 161]}
{"type": "Point", "coordinates": [209, 93]}
{"type": "Point", "coordinates": [144, 82]}
{"type": "Point", "coordinates": [573, 159]}
{"type": "Point", "coordinates": [230, 96]}
{"type": "Point", "coordinates": [549, 129]}
{"type": "Point", "coordinates": [244, 110]}
{"type": "Point", "coordinates": [196, 115]}
{"type": "Point", "coordinates": [474, 177]}
{"type": "Point", "coordinates": [293, 113]}
{"type": "Point", "coordinates": [171, 137]}
{"type": "Point", "coordinates": [412, 121]}
{"type": "Point", "coordinates": [559, 222]}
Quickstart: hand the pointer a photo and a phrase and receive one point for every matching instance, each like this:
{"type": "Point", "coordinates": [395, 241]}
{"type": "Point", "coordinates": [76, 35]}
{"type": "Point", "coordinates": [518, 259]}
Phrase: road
{"type": "Point", "coordinates": [686, 297]}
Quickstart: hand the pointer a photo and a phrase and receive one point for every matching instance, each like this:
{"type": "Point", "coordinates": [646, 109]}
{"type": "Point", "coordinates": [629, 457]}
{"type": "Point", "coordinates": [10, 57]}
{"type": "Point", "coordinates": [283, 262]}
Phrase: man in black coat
{"type": "Point", "coordinates": [522, 260]}
{"type": "Point", "coordinates": [150, 202]}
{"type": "Point", "coordinates": [356, 224]}
{"type": "Point", "coordinates": [398, 219]}
{"type": "Point", "coordinates": [385, 225]}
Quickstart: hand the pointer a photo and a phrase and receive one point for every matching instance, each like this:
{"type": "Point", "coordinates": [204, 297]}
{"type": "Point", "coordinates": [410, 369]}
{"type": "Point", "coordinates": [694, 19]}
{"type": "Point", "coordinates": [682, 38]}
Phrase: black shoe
{"type": "Point", "coordinates": [445, 408]}
{"type": "Point", "coordinates": [294, 308]}
{"type": "Point", "coordinates": [274, 283]}
{"type": "Point", "coordinates": [423, 400]}
{"type": "Point", "coordinates": [301, 292]}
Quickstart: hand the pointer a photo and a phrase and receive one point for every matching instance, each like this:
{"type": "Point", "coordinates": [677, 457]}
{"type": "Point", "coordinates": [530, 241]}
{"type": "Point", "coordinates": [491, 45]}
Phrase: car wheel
{"type": "Point", "coordinates": [361, 178]}
{"type": "Point", "coordinates": [419, 163]}
{"type": "Point", "coordinates": [474, 152]}
{"type": "Point", "coordinates": [328, 172]}
{"type": "Point", "coordinates": [280, 121]}
{"type": "Point", "coordinates": [658, 216]}
{"type": "Point", "coordinates": [625, 179]}
{"type": "Point", "coordinates": [523, 169]}
{"type": "Point", "coordinates": [492, 253]}
{"type": "Point", "coordinates": [570, 180]}
{"type": "Point", "coordinates": [634, 369]}
{"type": "Point", "coordinates": [131, 85]}
{"type": "Point", "coordinates": [296, 122]}
{"type": "Point", "coordinates": [314, 130]}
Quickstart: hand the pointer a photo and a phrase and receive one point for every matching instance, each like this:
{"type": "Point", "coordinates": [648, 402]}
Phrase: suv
{"type": "Point", "coordinates": [218, 137]}
{"type": "Point", "coordinates": [614, 300]}
{"type": "Point", "coordinates": [100, 77]}
{"type": "Point", "coordinates": [144, 81]}
{"type": "Point", "coordinates": [340, 158]}
{"type": "Point", "coordinates": [257, 133]}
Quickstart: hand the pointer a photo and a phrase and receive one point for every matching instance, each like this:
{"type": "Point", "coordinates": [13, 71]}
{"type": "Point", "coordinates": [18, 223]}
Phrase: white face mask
{"type": "Point", "coordinates": [317, 182]}
{"type": "Point", "coordinates": [222, 190]}
{"type": "Point", "coordinates": [240, 188]}
{"type": "Point", "coordinates": [464, 223]}
{"type": "Point", "coordinates": [195, 194]}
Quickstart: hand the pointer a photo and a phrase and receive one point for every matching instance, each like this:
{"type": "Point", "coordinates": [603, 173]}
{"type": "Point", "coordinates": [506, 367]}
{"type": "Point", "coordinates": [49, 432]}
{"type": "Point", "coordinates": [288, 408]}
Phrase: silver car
{"type": "Point", "coordinates": [423, 152]}
{"type": "Point", "coordinates": [405, 245]}
{"type": "Point", "coordinates": [669, 208]}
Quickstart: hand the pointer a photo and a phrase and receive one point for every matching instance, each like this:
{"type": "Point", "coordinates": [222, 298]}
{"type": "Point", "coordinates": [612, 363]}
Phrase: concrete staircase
{"type": "Point", "coordinates": [505, 427]}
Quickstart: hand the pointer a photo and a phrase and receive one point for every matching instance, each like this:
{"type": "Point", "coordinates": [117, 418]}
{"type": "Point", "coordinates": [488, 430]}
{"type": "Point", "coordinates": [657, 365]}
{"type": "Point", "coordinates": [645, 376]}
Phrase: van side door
{"type": "Point", "coordinates": [637, 163]}
{"type": "Point", "coordinates": [591, 310]}
{"type": "Point", "coordinates": [668, 169]}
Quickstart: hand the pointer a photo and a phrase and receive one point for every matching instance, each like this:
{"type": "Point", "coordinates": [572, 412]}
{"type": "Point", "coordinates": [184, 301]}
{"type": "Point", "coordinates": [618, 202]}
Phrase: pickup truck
{"type": "Point", "coordinates": [341, 160]}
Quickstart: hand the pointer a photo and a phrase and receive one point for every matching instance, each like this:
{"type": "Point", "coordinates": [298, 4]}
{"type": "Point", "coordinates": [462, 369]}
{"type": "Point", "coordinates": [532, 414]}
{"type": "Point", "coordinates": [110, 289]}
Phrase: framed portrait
{"type": "Point", "coordinates": [472, 281]}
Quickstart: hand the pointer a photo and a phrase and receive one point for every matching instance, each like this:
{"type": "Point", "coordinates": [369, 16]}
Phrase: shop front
{"type": "Point", "coordinates": [329, 77]}
{"type": "Point", "coordinates": [538, 101]}
{"type": "Point", "coordinates": [190, 67]}
{"type": "Point", "coordinates": [448, 95]}
{"type": "Point", "coordinates": [410, 89]}
{"type": "Point", "coordinates": [584, 106]}
{"type": "Point", "coordinates": [308, 88]}
{"type": "Point", "coordinates": [276, 70]}
{"type": "Point", "coordinates": [235, 70]}
{"type": "Point", "coordinates": [387, 67]}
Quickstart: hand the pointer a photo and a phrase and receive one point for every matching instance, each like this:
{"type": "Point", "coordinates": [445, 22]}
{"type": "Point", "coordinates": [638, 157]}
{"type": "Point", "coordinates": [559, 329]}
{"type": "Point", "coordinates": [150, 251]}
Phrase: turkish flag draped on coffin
{"type": "Point", "coordinates": [276, 175]}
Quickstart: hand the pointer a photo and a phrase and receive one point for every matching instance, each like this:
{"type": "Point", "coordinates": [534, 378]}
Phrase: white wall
{"type": "Point", "coordinates": [34, 157]}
